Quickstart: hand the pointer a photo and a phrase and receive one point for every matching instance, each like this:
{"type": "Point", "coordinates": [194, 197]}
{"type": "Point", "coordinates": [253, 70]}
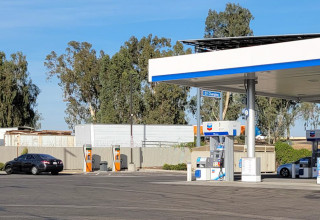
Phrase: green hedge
{"type": "Point", "coordinates": [286, 154]}
{"type": "Point", "coordinates": [180, 166]}
{"type": "Point", "coordinates": [1, 166]}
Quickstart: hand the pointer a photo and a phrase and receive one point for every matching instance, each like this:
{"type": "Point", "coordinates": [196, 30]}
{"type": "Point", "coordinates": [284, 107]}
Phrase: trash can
{"type": "Point", "coordinates": [103, 166]}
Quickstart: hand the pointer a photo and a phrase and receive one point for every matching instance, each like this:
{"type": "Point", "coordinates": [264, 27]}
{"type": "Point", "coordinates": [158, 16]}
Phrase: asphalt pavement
{"type": "Point", "coordinates": [153, 195]}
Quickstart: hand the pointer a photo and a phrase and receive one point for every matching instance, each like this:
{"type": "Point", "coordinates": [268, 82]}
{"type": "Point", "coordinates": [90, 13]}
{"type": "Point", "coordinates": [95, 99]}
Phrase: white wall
{"type": "Point", "coordinates": [72, 157]}
{"type": "Point", "coordinates": [29, 140]}
{"type": "Point", "coordinates": [2, 132]}
{"type": "Point", "coordinates": [106, 135]}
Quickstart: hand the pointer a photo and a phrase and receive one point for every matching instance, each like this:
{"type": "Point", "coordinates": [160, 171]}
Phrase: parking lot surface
{"type": "Point", "coordinates": [149, 195]}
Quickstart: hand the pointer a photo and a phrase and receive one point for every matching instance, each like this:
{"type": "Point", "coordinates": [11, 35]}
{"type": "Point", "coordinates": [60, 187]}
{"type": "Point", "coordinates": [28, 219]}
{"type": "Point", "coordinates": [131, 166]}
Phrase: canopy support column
{"type": "Point", "coordinates": [251, 165]}
{"type": "Point", "coordinates": [251, 87]}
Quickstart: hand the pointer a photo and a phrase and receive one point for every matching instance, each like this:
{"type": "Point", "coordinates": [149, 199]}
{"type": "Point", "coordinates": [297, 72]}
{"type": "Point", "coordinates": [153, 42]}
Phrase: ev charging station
{"type": "Point", "coordinates": [219, 166]}
{"type": "Point", "coordinates": [87, 153]}
{"type": "Point", "coordinates": [116, 158]}
{"type": "Point", "coordinates": [87, 158]}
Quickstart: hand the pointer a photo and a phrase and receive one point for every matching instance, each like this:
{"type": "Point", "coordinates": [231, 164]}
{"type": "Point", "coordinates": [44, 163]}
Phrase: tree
{"type": "Point", "coordinates": [276, 116]}
{"type": "Point", "coordinates": [310, 113]}
{"type": "Point", "coordinates": [155, 103]}
{"type": "Point", "coordinates": [232, 22]}
{"type": "Point", "coordinates": [78, 72]}
{"type": "Point", "coordinates": [164, 103]}
{"type": "Point", "coordinates": [115, 93]}
{"type": "Point", "coordinates": [292, 113]}
{"type": "Point", "coordinates": [210, 107]}
{"type": "Point", "coordinates": [18, 96]}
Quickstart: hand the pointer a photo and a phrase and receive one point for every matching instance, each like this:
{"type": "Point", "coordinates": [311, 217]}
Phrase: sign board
{"type": "Point", "coordinates": [221, 128]}
{"type": "Point", "coordinates": [211, 94]}
{"type": "Point", "coordinates": [313, 135]}
{"type": "Point", "coordinates": [248, 167]}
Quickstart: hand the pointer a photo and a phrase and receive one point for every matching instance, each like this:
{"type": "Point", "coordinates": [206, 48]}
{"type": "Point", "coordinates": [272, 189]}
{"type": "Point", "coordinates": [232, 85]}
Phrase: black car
{"type": "Point", "coordinates": [35, 164]}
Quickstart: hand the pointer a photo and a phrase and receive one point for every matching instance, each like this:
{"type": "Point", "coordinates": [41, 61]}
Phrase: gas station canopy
{"type": "Point", "coordinates": [286, 66]}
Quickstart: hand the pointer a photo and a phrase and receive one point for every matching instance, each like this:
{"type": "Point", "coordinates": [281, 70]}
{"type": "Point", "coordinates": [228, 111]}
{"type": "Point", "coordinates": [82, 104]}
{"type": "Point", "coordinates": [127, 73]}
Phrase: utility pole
{"type": "Point", "coordinates": [131, 118]}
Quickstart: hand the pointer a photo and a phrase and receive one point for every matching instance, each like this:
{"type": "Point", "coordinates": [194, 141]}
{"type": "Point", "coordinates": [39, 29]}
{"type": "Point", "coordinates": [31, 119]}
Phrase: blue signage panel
{"type": "Point", "coordinates": [211, 94]}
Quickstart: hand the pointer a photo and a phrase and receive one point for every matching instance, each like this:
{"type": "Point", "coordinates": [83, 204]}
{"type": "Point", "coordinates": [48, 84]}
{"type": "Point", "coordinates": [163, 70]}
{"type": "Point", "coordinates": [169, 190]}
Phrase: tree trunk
{"type": "Point", "coordinates": [226, 103]}
{"type": "Point", "coordinates": [92, 113]}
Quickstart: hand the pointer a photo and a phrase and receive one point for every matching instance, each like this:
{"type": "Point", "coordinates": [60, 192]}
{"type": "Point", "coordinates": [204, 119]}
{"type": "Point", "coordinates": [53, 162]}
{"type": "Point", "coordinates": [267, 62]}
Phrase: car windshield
{"type": "Point", "coordinates": [304, 159]}
{"type": "Point", "coordinates": [46, 156]}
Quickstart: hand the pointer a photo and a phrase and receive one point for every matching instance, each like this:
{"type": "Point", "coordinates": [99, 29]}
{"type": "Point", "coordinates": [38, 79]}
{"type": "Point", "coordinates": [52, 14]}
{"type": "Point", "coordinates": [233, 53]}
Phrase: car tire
{"type": "Point", "coordinates": [8, 169]}
{"type": "Point", "coordinates": [284, 172]}
{"type": "Point", "coordinates": [54, 172]}
{"type": "Point", "coordinates": [34, 170]}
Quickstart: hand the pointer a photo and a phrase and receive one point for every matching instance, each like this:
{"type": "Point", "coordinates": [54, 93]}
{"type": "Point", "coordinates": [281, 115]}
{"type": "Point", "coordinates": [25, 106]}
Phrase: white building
{"type": "Point", "coordinates": [2, 133]}
{"type": "Point", "coordinates": [44, 138]}
{"type": "Point", "coordinates": [106, 135]}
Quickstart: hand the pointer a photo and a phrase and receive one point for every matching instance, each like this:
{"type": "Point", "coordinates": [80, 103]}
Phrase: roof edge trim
{"type": "Point", "coordinates": [247, 69]}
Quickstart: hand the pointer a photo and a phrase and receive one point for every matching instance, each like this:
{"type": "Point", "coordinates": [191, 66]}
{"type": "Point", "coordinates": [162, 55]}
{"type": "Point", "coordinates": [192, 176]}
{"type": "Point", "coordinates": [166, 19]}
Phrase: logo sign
{"type": "Point", "coordinates": [211, 94]}
{"type": "Point", "coordinates": [312, 133]}
{"type": "Point", "coordinates": [220, 147]}
{"type": "Point", "coordinates": [209, 126]}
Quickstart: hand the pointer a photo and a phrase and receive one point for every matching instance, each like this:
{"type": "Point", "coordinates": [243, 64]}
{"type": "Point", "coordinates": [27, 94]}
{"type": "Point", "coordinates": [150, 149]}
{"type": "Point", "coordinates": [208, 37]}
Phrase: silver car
{"type": "Point", "coordinates": [285, 170]}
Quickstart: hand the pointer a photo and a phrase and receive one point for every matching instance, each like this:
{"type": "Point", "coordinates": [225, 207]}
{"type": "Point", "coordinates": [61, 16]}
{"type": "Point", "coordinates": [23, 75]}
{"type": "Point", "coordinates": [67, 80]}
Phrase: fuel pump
{"type": "Point", "coordinates": [217, 154]}
{"type": "Point", "coordinates": [310, 170]}
{"type": "Point", "coordinates": [87, 154]}
{"type": "Point", "coordinates": [219, 166]}
{"type": "Point", "coordinates": [116, 158]}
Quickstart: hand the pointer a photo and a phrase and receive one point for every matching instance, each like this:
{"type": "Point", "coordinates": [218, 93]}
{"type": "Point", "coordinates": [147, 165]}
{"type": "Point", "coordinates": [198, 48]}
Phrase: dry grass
{"type": "Point", "coordinates": [301, 145]}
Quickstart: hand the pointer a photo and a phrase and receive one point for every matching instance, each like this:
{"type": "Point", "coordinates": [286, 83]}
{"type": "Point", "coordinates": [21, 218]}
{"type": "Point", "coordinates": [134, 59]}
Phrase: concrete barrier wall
{"type": "Point", "coordinates": [142, 157]}
{"type": "Point", "coordinates": [160, 155]}
{"type": "Point", "coordinates": [268, 159]}
{"type": "Point", "coordinates": [73, 156]}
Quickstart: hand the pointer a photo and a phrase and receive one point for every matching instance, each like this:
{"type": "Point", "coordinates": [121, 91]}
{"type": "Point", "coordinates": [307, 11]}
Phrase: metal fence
{"type": "Point", "coordinates": [159, 143]}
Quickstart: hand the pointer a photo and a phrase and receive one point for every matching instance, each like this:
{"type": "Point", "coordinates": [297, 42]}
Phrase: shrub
{"type": "Point", "coordinates": [286, 154]}
{"type": "Point", "coordinates": [240, 139]}
{"type": "Point", "coordinates": [24, 151]}
{"type": "Point", "coordinates": [180, 166]}
{"type": "Point", "coordinates": [188, 145]}
{"type": "Point", "coordinates": [1, 166]}
{"type": "Point", "coordinates": [166, 167]}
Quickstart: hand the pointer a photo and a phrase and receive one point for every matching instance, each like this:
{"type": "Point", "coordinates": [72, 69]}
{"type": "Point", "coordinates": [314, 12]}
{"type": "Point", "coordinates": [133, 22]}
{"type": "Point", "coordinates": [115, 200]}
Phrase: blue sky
{"type": "Point", "coordinates": [36, 27]}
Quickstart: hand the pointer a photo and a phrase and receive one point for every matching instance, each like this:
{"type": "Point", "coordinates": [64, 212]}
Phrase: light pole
{"type": "Point", "coordinates": [131, 118]}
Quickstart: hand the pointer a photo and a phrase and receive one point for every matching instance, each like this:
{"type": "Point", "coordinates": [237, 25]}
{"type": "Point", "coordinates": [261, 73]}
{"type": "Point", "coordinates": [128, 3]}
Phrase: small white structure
{"type": "Point", "coordinates": [2, 133]}
{"type": "Point", "coordinates": [106, 135]}
{"type": "Point", "coordinates": [39, 138]}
